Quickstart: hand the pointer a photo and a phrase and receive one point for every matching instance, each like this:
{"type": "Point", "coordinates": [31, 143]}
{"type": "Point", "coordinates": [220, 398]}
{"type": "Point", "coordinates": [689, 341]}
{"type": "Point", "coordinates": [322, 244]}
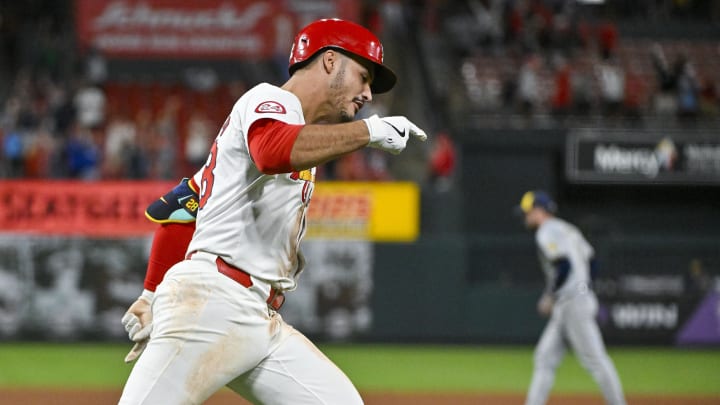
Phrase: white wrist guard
{"type": "Point", "coordinates": [147, 295]}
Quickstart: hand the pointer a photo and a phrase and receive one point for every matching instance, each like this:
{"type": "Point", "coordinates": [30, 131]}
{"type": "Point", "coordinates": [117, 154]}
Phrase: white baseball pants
{"type": "Point", "coordinates": [210, 331]}
{"type": "Point", "coordinates": [573, 324]}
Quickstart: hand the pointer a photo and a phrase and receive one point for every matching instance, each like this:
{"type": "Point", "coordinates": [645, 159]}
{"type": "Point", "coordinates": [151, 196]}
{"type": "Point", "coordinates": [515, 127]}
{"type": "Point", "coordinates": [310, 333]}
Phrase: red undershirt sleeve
{"type": "Point", "coordinates": [270, 142]}
{"type": "Point", "coordinates": [169, 246]}
{"type": "Point", "coordinates": [193, 185]}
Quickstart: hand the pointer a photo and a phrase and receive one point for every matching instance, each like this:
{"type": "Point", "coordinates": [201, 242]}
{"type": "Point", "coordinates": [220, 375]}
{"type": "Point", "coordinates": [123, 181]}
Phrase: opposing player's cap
{"type": "Point", "coordinates": [346, 36]}
{"type": "Point", "coordinates": [537, 198]}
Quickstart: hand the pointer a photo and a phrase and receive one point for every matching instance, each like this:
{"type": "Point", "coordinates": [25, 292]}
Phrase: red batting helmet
{"type": "Point", "coordinates": [347, 36]}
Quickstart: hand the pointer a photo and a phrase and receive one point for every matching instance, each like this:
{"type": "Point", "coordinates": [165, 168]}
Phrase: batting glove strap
{"type": "Point", "coordinates": [147, 295]}
{"type": "Point", "coordinates": [392, 133]}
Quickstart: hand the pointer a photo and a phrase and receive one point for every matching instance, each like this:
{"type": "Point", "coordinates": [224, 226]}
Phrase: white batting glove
{"type": "Point", "coordinates": [392, 133]}
{"type": "Point", "coordinates": [138, 324]}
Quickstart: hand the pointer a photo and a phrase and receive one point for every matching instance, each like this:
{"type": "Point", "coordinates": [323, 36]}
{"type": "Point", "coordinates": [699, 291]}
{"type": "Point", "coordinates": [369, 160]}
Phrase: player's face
{"type": "Point", "coordinates": [532, 220]}
{"type": "Point", "coordinates": [350, 88]}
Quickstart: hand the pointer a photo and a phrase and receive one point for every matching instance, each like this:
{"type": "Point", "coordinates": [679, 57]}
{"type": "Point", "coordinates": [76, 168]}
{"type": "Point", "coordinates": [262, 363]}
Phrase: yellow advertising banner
{"type": "Point", "coordinates": [376, 211]}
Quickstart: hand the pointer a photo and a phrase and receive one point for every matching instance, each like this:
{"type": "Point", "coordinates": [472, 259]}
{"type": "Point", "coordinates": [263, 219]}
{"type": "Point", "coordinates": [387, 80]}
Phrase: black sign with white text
{"type": "Point", "coordinates": [659, 309]}
{"type": "Point", "coordinates": [642, 157]}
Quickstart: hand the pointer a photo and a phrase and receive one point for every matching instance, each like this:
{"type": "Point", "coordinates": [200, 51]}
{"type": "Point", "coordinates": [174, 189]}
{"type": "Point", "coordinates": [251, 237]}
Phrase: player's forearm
{"type": "Point", "coordinates": [562, 271]}
{"type": "Point", "coordinates": [317, 144]}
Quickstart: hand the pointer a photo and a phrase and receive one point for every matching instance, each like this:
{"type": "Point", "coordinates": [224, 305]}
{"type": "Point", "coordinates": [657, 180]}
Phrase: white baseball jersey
{"type": "Point", "coordinates": [252, 220]}
{"type": "Point", "coordinates": [557, 238]}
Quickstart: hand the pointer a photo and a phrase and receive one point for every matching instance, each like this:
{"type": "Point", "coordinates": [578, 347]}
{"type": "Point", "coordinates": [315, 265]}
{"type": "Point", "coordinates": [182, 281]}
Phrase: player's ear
{"type": "Point", "coordinates": [329, 60]}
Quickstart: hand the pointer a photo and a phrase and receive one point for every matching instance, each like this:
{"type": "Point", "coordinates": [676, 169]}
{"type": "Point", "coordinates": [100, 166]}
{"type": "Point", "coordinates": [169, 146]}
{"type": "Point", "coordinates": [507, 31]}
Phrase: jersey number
{"type": "Point", "coordinates": [208, 175]}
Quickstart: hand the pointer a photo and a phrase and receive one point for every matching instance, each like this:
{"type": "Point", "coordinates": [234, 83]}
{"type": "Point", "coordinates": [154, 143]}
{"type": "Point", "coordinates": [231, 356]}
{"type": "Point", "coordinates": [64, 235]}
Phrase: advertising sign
{"type": "Point", "coordinates": [75, 288]}
{"type": "Point", "coordinates": [90, 241]}
{"type": "Point", "coordinates": [381, 212]}
{"type": "Point", "coordinates": [220, 29]}
{"type": "Point", "coordinates": [385, 212]}
{"type": "Point", "coordinates": [96, 209]}
{"type": "Point", "coordinates": [659, 309]}
{"type": "Point", "coordinates": [642, 157]}
{"type": "Point", "coordinates": [169, 28]}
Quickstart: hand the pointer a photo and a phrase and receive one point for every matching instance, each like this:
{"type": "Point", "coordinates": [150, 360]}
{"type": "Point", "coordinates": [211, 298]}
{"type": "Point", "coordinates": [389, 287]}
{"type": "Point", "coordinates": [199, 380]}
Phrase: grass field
{"type": "Point", "coordinates": [392, 368]}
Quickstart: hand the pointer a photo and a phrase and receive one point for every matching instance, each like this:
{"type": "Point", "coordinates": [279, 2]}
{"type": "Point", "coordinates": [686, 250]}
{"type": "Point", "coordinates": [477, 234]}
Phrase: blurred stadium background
{"type": "Point", "coordinates": [612, 106]}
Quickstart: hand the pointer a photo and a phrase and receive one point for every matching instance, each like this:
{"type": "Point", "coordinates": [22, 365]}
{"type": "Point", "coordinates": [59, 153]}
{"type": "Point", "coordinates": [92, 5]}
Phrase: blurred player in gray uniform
{"type": "Point", "coordinates": [568, 262]}
{"type": "Point", "coordinates": [212, 318]}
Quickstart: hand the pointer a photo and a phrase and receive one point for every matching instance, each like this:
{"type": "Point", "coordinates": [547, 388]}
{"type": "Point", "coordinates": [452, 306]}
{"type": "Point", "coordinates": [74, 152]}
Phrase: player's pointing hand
{"type": "Point", "coordinates": [391, 133]}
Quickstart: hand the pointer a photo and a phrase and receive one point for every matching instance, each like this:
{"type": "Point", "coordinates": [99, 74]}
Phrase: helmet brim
{"type": "Point", "coordinates": [384, 80]}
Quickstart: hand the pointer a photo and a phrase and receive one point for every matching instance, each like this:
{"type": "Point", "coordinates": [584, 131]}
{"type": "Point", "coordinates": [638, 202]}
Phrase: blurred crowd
{"type": "Point", "coordinates": [560, 59]}
{"type": "Point", "coordinates": [59, 129]}
{"type": "Point", "coordinates": [64, 115]}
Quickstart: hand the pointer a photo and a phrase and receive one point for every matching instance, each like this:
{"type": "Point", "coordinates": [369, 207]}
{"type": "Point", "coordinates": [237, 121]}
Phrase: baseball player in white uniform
{"type": "Point", "coordinates": [568, 262]}
{"type": "Point", "coordinates": [213, 319]}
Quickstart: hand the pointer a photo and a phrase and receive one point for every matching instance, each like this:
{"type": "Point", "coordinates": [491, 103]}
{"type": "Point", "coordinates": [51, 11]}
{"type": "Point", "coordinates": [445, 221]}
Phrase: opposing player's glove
{"type": "Point", "coordinates": [392, 133]}
{"type": "Point", "coordinates": [138, 324]}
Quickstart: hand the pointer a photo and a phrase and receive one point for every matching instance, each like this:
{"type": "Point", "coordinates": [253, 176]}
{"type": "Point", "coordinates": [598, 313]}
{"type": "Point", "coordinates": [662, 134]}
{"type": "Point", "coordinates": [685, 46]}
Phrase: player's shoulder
{"type": "Point", "coordinates": [269, 91]}
{"type": "Point", "coordinates": [264, 88]}
{"type": "Point", "coordinates": [551, 229]}
{"type": "Point", "coordinates": [267, 99]}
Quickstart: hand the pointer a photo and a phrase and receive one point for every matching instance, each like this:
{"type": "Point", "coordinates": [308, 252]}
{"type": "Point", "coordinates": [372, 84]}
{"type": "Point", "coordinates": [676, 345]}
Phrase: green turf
{"type": "Point", "coordinates": [508, 369]}
{"type": "Point", "coordinates": [433, 368]}
{"type": "Point", "coordinates": [63, 365]}
{"type": "Point", "coordinates": [393, 368]}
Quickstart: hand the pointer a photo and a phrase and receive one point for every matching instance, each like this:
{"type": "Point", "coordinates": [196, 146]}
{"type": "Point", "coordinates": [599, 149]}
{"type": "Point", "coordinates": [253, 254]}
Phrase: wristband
{"type": "Point", "coordinates": [147, 295]}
